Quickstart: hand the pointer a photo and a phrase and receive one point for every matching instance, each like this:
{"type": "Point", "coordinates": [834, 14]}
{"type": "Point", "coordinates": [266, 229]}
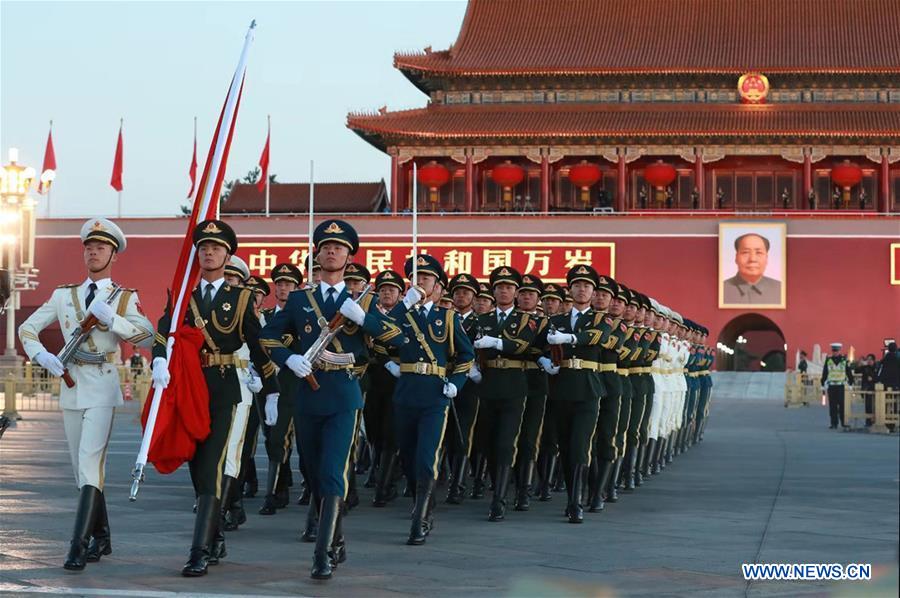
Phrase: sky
{"type": "Point", "coordinates": [157, 65]}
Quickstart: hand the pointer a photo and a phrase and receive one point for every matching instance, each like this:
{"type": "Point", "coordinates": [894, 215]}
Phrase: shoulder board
{"type": "Point", "coordinates": [69, 286]}
{"type": "Point", "coordinates": [366, 302]}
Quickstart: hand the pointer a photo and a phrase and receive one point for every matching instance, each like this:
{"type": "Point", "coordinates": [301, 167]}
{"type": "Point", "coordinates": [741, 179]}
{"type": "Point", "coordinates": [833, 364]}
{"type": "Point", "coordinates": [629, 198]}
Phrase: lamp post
{"type": "Point", "coordinates": [17, 220]}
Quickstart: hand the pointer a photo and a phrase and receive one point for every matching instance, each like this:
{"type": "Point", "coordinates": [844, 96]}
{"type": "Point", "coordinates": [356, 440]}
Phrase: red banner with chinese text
{"type": "Point", "coordinates": [548, 259]}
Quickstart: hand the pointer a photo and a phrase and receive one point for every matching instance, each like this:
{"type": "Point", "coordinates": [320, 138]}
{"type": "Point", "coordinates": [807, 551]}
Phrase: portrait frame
{"type": "Point", "coordinates": [776, 234]}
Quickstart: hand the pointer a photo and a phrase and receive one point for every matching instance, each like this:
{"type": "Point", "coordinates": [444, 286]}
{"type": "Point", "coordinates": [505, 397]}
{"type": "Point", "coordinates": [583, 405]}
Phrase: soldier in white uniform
{"type": "Point", "coordinates": [89, 405]}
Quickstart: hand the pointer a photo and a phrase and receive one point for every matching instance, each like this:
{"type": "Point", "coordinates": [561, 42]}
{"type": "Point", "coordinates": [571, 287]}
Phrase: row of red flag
{"type": "Point", "coordinates": [48, 171]}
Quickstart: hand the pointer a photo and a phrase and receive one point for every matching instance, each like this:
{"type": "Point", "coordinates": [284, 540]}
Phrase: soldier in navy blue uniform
{"type": "Point", "coordinates": [434, 365]}
{"type": "Point", "coordinates": [705, 382]}
{"type": "Point", "coordinates": [326, 418]}
{"type": "Point", "coordinates": [463, 289]}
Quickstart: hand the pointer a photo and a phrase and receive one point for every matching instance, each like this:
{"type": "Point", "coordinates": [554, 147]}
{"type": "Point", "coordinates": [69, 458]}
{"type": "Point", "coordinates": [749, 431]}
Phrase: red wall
{"type": "Point", "coordinates": [838, 289]}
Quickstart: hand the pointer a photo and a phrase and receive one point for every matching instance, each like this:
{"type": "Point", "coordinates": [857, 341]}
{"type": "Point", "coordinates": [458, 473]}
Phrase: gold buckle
{"type": "Point", "coordinates": [422, 368]}
{"type": "Point", "coordinates": [199, 322]}
{"type": "Point", "coordinates": [577, 363]}
{"type": "Point", "coordinates": [501, 362]}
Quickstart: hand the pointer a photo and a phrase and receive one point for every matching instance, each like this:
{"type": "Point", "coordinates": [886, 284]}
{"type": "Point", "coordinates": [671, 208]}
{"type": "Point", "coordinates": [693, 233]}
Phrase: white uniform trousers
{"type": "Point", "coordinates": [238, 428]}
{"type": "Point", "coordinates": [656, 411]}
{"type": "Point", "coordinates": [87, 432]}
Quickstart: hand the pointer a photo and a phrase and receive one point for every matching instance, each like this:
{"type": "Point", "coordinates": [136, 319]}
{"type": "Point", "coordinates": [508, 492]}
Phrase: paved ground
{"type": "Point", "coordinates": [768, 485]}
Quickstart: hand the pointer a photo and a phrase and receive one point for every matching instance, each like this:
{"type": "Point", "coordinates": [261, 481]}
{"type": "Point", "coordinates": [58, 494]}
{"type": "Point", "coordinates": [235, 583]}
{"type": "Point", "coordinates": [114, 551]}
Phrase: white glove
{"type": "Point", "coordinates": [412, 297]}
{"type": "Point", "coordinates": [271, 409]}
{"type": "Point", "coordinates": [353, 312]}
{"type": "Point", "coordinates": [393, 368]}
{"type": "Point", "coordinates": [449, 390]}
{"type": "Point", "coordinates": [254, 384]}
{"type": "Point", "coordinates": [300, 365]}
{"type": "Point", "coordinates": [561, 338]}
{"type": "Point", "coordinates": [489, 342]}
{"type": "Point", "coordinates": [50, 362]}
{"type": "Point", "coordinates": [160, 372]}
{"type": "Point", "coordinates": [102, 311]}
{"type": "Point", "coordinates": [548, 366]}
{"type": "Point", "coordinates": [475, 374]}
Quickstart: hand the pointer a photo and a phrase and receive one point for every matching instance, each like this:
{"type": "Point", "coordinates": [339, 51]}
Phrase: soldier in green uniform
{"type": "Point", "coordinates": [606, 448]}
{"type": "Point", "coordinates": [836, 374]}
{"type": "Point", "coordinates": [357, 277]}
{"type": "Point", "coordinates": [279, 414]}
{"type": "Point", "coordinates": [552, 300]}
{"type": "Point", "coordinates": [705, 381]}
{"type": "Point", "coordinates": [527, 300]}
{"type": "Point", "coordinates": [577, 388]}
{"type": "Point", "coordinates": [484, 301]}
{"type": "Point", "coordinates": [463, 289]}
{"type": "Point", "coordinates": [623, 306]}
{"type": "Point", "coordinates": [634, 317]}
{"type": "Point", "coordinates": [379, 409]}
{"type": "Point", "coordinates": [642, 380]}
{"type": "Point", "coordinates": [434, 365]}
{"type": "Point", "coordinates": [225, 316]}
{"type": "Point", "coordinates": [507, 334]}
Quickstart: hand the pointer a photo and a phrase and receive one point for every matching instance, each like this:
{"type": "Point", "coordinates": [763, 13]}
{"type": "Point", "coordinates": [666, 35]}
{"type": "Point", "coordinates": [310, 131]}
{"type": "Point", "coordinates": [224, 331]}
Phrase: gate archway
{"type": "Point", "coordinates": [751, 343]}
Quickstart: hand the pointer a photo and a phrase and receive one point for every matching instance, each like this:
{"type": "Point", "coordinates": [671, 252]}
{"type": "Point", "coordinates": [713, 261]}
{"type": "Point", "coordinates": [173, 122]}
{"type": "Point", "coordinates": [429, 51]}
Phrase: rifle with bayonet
{"type": "Point", "coordinates": [81, 333]}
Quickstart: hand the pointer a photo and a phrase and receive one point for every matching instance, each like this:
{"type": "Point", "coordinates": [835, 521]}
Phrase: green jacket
{"type": "Point", "coordinates": [517, 333]}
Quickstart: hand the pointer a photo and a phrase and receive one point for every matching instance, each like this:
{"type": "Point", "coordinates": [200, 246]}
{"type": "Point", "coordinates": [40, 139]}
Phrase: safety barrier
{"type": "Point", "coordinates": [880, 406]}
{"type": "Point", "coordinates": [29, 387]}
{"type": "Point", "coordinates": [802, 390]}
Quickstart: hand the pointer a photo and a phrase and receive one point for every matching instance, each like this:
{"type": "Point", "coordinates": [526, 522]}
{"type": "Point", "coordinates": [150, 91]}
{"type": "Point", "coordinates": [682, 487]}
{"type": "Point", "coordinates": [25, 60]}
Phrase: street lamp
{"type": "Point", "coordinates": [17, 220]}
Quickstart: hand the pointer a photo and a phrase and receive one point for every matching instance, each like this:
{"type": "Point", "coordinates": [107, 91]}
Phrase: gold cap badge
{"type": "Point", "coordinates": [333, 228]}
{"type": "Point", "coordinates": [212, 228]}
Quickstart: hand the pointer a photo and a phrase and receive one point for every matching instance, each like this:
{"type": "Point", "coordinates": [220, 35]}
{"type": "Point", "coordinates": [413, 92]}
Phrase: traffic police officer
{"type": "Point", "coordinates": [89, 405]}
{"type": "Point", "coordinates": [836, 373]}
{"type": "Point", "coordinates": [326, 417]}
{"type": "Point", "coordinates": [434, 365]}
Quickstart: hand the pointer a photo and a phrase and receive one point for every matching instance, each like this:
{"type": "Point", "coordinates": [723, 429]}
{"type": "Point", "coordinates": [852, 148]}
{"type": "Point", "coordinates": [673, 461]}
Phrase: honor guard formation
{"type": "Point", "coordinates": [483, 395]}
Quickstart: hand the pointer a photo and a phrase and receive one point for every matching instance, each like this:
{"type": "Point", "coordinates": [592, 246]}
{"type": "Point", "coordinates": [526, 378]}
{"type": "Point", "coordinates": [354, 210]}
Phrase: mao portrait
{"type": "Point", "coordinates": [752, 264]}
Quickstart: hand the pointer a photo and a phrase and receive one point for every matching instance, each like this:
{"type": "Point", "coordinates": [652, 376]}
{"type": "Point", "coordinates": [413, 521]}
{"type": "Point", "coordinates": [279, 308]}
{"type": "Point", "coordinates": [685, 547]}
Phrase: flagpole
{"type": "Point", "coordinates": [49, 187]}
{"type": "Point", "coordinates": [121, 125]}
{"type": "Point", "coordinates": [415, 225]}
{"type": "Point", "coordinates": [268, 136]}
{"type": "Point", "coordinates": [312, 207]}
{"type": "Point", "coordinates": [214, 172]}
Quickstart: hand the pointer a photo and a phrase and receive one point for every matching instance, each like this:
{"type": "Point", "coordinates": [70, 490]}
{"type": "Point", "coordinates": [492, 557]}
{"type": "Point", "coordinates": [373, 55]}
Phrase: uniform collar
{"type": "Point", "coordinates": [217, 284]}
{"type": "Point", "coordinates": [426, 307]}
{"type": "Point", "coordinates": [466, 315]}
{"type": "Point", "coordinates": [505, 312]}
{"type": "Point", "coordinates": [338, 288]}
{"type": "Point", "coordinates": [101, 284]}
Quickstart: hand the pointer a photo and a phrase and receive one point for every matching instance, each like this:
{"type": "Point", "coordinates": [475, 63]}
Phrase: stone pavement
{"type": "Point", "coordinates": [767, 485]}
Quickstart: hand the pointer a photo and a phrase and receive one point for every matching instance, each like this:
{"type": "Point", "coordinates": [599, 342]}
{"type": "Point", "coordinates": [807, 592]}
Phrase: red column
{"type": "Point", "coordinates": [807, 178]}
{"type": "Point", "coordinates": [885, 195]}
{"type": "Point", "coordinates": [699, 179]}
{"type": "Point", "coordinates": [621, 200]}
{"type": "Point", "coordinates": [545, 184]}
{"type": "Point", "coordinates": [470, 184]}
{"type": "Point", "coordinates": [395, 184]}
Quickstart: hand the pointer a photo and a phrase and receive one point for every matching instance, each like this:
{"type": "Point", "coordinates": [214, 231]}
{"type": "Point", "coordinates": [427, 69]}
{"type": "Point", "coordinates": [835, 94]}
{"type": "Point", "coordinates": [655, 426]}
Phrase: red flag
{"type": "Point", "coordinates": [264, 165]}
{"type": "Point", "coordinates": [193, 170]}
{"type": "Point", "coordinates": [48, 172]}
{"type": "Point", "coordinates": [116, 179]}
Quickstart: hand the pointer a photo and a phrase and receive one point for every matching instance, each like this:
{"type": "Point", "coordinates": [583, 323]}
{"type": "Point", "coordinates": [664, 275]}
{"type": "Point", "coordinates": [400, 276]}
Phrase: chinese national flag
{"type": "Point", "coordinates": [48, 172]}
{"type": "Point", "coordinates": [264, 166]}
{"type": "Point", "coordinates": [116, 179]}
{"type": "Point", "coordinates": [193, 170]}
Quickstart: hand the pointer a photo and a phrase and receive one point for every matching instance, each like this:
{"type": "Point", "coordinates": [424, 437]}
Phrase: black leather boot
{"type": "Point", "coordinates": [604, 471]}
{"type": "Point", "coordinates": [352, 495]}
{"type": "Point", "coordinates": [338, 544]}
{"type": "Point", "coordinates": [305, 494]}
{"type": "Point", "coordinates": [457, 487]}
{"type": "Point", "coordinates": [478, 483]}
{"type": "Point", "coordinates": [670, 447]}
{"type": "Point", "coordinates": [372, 478]}
{"type": "Point", "coordinates": [235, 516]}
{"type": "Point", "coordinates": [282, 488]}
{"type": "Point", "coordinates": [647, 463]}
{"type": "Point", "coordinates": [228, 484]}
{"type": "Point", "coordinates": [636, 467]}
{"type": "Point", "coordinates": [575, 487]}
{"type": "Point", "coordinates": [85, 520]}
{"type": "Point", "coordinates": [628, 469]}
{"type": "Point", "coordinates": [217, 549]}
{"type": "Point", "coordinates": [205, 525]}
{"type": "Point", "coordinates": [386, 490]}
{"type": "Point", "coordinates": [545, 466]}
{"type": "Point", "coordinates": [523, 485]}
{"type": "Point", "coordinates": [270, 506]}
{"type": "Point", "coordinates": [311, 529]}
{"type": "Point", "coordinates": [100, 544]}
{"type": "Point", "coordinates": [251, 481]}
{"type": "Point", "coordinates": [498, 503]}
{"type": "Point", "coordinates": [611, 494]}
{"type": "Point", "coordinates": [659, 456]}
{"type": "Point", "coordinates": [421, 516]}
{"type": "Point", "coordinates": [323, 565]}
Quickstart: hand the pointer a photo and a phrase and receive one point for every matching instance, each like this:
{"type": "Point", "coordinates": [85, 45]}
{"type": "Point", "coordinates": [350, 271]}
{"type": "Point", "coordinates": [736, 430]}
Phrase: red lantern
{"type": "Point", "coordinates": [585, 175]}
{"type": "Point", "coordinates": [660, 175]}
{"type": "Point", "coordinates": [434, 176]}
{"type": "Point", "coordinates": [508, 175]}
{"type": "Point", "coordinates": [846, 175]}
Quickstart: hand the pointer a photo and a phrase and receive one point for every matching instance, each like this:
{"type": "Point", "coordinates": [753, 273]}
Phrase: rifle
{"type": "Point", "coordinates": [329, 331]}
{"type": "Point", "coordinates": [79, 335]}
